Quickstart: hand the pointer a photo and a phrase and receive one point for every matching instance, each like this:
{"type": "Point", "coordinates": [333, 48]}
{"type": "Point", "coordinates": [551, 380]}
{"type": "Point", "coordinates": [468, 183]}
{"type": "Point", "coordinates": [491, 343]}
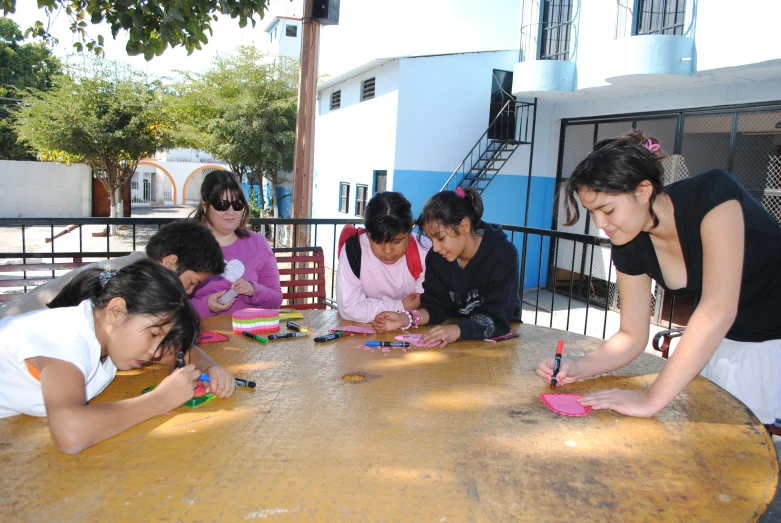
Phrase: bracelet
{"type": "Point", "coordinates": [416, 317]}
{"type": "Point", "coordinates": [411, 321]}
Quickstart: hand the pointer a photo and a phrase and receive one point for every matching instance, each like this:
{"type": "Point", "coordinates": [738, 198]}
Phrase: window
{"type": "Point", "coordinates": [361, 197]}
{"type": "Point", "coordinates": [344, 197]}
{"type": "Point", "coordinates": [134, 185]}
{"type": "Point", "coordinates": [367, 89]}
{"type": "Point", "coordinates": [336, 100]}
{"type": "Point", "coordinates": [291, 30]}
{"type": "Point", "coordinates": [660, 17]}
{"type": "Point", "coordinates": [555, 29]}
{"type": "Point", "coordinates": [380, 181]}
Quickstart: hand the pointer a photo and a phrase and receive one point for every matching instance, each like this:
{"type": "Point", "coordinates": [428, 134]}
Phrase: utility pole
{"type": "Point", "coordinates": [303, 163]}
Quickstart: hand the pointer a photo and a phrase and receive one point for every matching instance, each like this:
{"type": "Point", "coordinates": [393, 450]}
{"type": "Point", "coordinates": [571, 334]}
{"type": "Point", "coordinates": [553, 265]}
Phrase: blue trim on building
{"type": "Point", "coordinates": [504, 201]}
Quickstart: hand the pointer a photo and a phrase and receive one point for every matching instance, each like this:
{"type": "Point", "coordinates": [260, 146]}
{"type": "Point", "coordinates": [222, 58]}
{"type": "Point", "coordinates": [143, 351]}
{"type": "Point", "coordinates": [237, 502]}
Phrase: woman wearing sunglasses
{"type": "Point", "coordinates": [251, 277]}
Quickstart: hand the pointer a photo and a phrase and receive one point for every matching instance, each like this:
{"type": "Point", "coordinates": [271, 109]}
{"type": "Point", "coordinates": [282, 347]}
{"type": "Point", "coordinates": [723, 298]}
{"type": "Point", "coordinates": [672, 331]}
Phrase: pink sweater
{"type": "Point", "coordinates": [248, 258]}
{"type": "Point", "coordinates": [380, 288]}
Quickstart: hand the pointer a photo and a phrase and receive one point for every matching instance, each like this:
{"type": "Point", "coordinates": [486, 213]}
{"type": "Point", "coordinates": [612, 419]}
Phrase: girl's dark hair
{"type": "Point", "coordinates": [148, 288]}
{"type": "Point", "coordinates": [449, 209]}
{"type": "Point", "coordinates": [194, 245]}
{"type": "Point", "coordinates": [388, 214]}
{"type": "Point", "coordinates": [213, 187]}
{"type": "Point", "coordinates": [617, 166]}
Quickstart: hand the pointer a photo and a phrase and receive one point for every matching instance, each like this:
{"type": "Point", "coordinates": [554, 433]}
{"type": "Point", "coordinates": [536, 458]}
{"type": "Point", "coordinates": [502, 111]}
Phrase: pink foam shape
{"type": "Point", "coordinates": [199, 391]}
{"type": "Point", "coordinates": [565, 404]}
{"type": "Point", "coordinates": [211, 337]}
{"type": "Point", "coordinates": [354, 329]}
{"type": "Point", "coordinates": [414, 339]}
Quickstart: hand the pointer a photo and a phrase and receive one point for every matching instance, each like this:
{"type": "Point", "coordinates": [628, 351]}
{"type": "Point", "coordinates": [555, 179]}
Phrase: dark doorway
{"type": "Point", "coordinates": [501, 87]}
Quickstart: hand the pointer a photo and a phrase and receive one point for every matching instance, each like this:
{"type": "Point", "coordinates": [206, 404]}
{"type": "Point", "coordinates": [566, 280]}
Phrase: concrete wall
{"type": "Point", "coordinates": [45, 190]}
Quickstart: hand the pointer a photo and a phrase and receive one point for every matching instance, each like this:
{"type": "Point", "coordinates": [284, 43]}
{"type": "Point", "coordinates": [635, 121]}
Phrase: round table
{"type": "Point", "coordinates": [335, 432]}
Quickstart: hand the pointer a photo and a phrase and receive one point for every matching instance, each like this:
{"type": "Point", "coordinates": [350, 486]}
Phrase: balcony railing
{"type": "Point", "coordinates": [565, 277]}
{"type": "Point", "coordinates": [547, 29]}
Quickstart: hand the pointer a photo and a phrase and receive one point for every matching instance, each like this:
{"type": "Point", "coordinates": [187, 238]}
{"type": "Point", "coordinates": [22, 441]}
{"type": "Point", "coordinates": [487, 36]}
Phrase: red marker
{"type": "Point", "coordinates": [556, 364]}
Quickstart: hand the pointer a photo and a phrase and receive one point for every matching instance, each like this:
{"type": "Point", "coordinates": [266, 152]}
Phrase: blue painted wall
{"type": "Point", "coordinates": [505, 203]}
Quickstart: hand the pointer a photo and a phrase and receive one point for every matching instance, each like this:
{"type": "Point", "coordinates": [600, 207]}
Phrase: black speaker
{"type": "Point", "coordinates": [326, 11]}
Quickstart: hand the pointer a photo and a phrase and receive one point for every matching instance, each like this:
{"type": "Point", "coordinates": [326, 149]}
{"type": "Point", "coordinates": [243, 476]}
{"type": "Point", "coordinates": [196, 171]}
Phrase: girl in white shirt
{"type": "Point", "coordinates": [52, 362]}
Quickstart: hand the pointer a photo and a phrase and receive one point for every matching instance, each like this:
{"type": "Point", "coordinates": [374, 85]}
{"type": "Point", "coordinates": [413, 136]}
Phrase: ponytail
{"type": "Point", "coordinates": [148, 289]}
{"type": "Point", "coordinates": [449, 208]}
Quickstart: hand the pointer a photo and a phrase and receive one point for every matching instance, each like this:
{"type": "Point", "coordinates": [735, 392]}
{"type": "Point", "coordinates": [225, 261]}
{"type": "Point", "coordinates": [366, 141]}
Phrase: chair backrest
{"type": "Point", "coordinates": [15, 279]}
{"type": "Point", "coordinates": [305, 287]}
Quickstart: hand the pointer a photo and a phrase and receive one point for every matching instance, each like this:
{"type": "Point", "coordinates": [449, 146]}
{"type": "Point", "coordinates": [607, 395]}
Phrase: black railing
{"type": "Point", "coordinates": [547, 29]}
{"type": "Point", "coordinates": [561, 272]}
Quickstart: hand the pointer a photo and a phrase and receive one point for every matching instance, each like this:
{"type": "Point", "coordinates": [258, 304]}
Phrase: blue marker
{"type": "Point", "coordinates": [239, 382]}
{"type": "Point", "coordinates": [387, 344]}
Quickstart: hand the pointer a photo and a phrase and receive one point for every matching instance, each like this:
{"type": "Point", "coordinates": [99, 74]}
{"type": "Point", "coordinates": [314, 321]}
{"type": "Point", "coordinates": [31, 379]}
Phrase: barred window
{"type": "Point", "coordinates": [361, 197]}
{"type": "Point", "coordinates": [336, 100]}
{"type": "Point", "coordinates": [556, 24]}
{"type": "Point", "coordinates": [367, 89]}
{"type": "Point", "coordinates": [660, 17]}
{"type": "Point", "coordinates": [344, 197]}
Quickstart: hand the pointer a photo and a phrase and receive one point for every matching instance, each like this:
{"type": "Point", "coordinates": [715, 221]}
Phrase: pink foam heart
{"type": "Point", "coordinates": [565, 404]}
{"type": "Point", "coordinates": [199, 391]}
{"type": "Point", "coordinates": [353, 329]}
{"type": "Point", "coordinates": [414, 339]}
{"type": "Point", "coordinates": [211, 337]}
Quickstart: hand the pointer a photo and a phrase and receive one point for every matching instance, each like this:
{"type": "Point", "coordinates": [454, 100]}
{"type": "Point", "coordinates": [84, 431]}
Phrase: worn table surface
{"type": "Point", "coordinates": [457, 434]}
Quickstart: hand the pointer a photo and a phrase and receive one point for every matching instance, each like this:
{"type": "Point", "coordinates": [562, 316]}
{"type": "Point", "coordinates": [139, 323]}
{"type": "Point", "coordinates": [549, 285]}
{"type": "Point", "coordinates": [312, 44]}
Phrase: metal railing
{"type": "Point", "coordinates": [515, 119]}
{"type": "Point", "coordinates": [559, 299]}
{"type": "Point", "coordinates": [547, 30]}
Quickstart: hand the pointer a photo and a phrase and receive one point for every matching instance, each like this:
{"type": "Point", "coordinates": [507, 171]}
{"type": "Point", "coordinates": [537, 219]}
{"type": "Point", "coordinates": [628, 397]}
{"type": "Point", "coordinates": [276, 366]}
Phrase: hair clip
{"type": "Point", "coordinates": [654, 148]}
{"type": "Point", "coordinates": [105, 276]}
{"type": "Point", "coordinates": [460, 192]}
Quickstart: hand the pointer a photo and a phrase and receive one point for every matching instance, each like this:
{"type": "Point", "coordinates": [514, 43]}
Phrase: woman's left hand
{"type": "Point", "coordinates": [444, 333]}
{"type": "Point", "coordinates": [626, 402]}
{"type": "Point", "coordinates": [243, 287]}
{"type": "Point", "coordinates": [222, 383]}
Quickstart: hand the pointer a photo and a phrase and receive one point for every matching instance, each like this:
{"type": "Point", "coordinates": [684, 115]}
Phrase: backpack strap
{"type": "Point", "coordinates": [353, 246]}
{"type": "Point", "coordinates": [413, 258]}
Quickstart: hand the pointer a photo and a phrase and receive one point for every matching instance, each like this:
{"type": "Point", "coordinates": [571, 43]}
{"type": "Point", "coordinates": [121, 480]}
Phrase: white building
{"type": "Point", "coordinates": [284, 37]}
{"type": "Point", "coordinates": [702, 77]}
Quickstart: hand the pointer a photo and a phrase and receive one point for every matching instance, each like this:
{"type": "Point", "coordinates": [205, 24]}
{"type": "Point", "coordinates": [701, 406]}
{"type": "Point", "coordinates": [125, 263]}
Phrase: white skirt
{"type": "Point", "coordinates": [752, 373]}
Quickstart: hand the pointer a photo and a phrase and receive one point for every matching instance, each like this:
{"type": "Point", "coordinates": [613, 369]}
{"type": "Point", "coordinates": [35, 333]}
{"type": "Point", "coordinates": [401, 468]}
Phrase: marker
{"type": "Point", "coordinates": [179, 360]}
{"type": "Point", "coordinates": [288, 335]}
{"type": "Point", "coordinates": [255, 337]}
{"type": "Point", "coordinates": [504, 337]}
{"type": "Point", "coordinates": [556, 364]}
{"type": "Point", "coordinates": [296, 327]}
{"type": "Point", "coordinates": [329, 337]}
{"type": "Point", "coordinates": [239, 382]}
{"type": "Point", "coordinates": [387, 344]}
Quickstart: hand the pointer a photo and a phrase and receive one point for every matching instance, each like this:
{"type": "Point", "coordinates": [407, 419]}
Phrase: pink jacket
{"type": "Point", "coordinates": [248, 258]}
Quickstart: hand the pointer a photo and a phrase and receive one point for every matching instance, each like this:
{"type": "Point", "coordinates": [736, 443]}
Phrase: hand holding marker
{"type": "Point", "coordinates": [556, 364]}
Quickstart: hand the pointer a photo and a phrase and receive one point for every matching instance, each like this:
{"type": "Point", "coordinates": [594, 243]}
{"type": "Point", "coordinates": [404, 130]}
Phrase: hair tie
{"type": "Point", "coordinates": [654, 148]}
{"type": "Point", "coordinates": [105, 276]}
{"type": "Point", "coordinates": [460, 192]}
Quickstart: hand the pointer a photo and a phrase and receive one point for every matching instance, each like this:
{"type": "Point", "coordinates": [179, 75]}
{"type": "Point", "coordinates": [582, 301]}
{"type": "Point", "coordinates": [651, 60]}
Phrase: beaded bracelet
{"type": "Point", "coordinates": [411, 323]}
{"type": "Point", "coordinates": [416, 317]}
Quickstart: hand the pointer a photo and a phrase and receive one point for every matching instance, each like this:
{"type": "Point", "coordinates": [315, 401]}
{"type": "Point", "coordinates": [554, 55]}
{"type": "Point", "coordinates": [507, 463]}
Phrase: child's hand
{"type": "Point", "coordinates": [215, 306]}
{"type": "Point", "coordinates": [626, 402]}
{"type": "Point", "coordinates": [221, 382]}
{"type": "Point", "coordinates": [443, 333]}
{"type": "Point", "coordinates": [390, 321]}
{"type": "Point", "coordinates": [243, 287]}
{"type": "Point", "coordinates": [567, 371]}
{"type": "Point", "coordinates": [178, 386]}
{"type": "Point", "coordinates": [411, 301]}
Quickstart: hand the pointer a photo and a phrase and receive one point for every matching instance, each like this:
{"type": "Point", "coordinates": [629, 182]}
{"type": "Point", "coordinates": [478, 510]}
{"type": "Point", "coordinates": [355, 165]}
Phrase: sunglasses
{"type": "Point", "coordinates": [222, 205]}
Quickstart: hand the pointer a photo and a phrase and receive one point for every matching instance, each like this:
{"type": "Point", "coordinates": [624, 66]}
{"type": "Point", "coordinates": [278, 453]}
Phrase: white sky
{"type": "Point", "coordinates": [367, 29]}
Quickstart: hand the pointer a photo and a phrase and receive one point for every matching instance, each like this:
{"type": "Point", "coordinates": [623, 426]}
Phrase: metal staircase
{"type": "Point", "coordinates": [510, 129]}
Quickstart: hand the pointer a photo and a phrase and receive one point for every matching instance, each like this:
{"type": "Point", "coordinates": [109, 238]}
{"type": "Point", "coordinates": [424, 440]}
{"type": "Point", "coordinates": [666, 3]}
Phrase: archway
{"type": "Point", "coordinates": [191, 193]}
{"type": "Point", "coordinates": [160, 168]}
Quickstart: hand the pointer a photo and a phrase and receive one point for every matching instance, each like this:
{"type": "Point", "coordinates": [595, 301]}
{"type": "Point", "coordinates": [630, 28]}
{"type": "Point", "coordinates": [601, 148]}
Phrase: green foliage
{"type": "Point", "coordinates": [102, 113]}
{"type": "Point", "coordinates": [151, 27]}
{"type": "Point", "coordinates": [22, 66]}
{"type": "Point", "coordinates": [243, 111]}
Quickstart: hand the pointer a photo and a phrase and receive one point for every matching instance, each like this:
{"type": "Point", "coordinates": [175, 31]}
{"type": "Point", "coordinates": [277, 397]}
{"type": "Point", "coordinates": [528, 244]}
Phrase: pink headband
{"type": "Point", "coordinates": [654, 148]}
{"type": "Point", "coordinates": [460, 192]}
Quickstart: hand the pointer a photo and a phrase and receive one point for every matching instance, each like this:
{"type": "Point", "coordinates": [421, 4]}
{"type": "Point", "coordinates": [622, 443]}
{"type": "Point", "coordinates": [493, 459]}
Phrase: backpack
{"type": "Point", "coordinates": [349, 238]}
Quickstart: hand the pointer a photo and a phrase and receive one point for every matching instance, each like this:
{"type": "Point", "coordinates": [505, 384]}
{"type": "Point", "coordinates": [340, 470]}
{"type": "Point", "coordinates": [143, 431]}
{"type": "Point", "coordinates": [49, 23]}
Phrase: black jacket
{"type": "Point", "coordinates": [485, 292]}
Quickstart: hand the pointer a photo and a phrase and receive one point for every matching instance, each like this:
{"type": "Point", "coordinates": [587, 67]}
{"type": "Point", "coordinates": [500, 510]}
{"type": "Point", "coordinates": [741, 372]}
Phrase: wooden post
{"type": "Point", "coordinates": [303, 163]}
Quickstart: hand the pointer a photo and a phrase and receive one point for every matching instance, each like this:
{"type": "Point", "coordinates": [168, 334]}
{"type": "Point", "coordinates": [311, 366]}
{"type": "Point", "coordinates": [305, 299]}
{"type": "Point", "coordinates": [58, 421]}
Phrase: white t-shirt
{"type": "Point", "coordinates": [67, 334]}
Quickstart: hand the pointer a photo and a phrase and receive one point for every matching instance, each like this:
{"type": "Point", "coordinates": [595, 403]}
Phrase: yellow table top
{"type": "Point", "coordinates": [457, 434]}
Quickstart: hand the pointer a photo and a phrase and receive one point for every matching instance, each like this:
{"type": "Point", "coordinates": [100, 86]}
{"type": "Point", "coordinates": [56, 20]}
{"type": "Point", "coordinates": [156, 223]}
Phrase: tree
{"type": "Point", "coordinates": [22, 66]}
{"type": "Point", "coordinates": [104, 114]}
{"type": "Point", "coordinates": [243, 111]}
{"type": "Point", "coordinates": [152, 26]}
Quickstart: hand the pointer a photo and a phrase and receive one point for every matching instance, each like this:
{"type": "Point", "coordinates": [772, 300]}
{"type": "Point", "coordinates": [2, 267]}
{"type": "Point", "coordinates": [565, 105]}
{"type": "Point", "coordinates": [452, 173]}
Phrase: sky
{"type": "Point", "coordinates": [367, 29]}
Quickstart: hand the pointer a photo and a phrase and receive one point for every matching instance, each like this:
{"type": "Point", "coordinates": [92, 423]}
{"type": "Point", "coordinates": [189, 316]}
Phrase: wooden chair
{"type": "Point", "coordinates": [305, 289]}
{"type": "Point", "coordinates": [22, 279]}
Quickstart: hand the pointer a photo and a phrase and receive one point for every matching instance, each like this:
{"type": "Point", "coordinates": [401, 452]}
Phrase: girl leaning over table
{"type": "Point", "coordinates": [704, 237]}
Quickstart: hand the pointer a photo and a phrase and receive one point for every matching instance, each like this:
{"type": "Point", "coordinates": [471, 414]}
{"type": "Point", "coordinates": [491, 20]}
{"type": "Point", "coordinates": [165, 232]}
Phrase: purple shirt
{"type": "Point", "coordinates": [248, 258]}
